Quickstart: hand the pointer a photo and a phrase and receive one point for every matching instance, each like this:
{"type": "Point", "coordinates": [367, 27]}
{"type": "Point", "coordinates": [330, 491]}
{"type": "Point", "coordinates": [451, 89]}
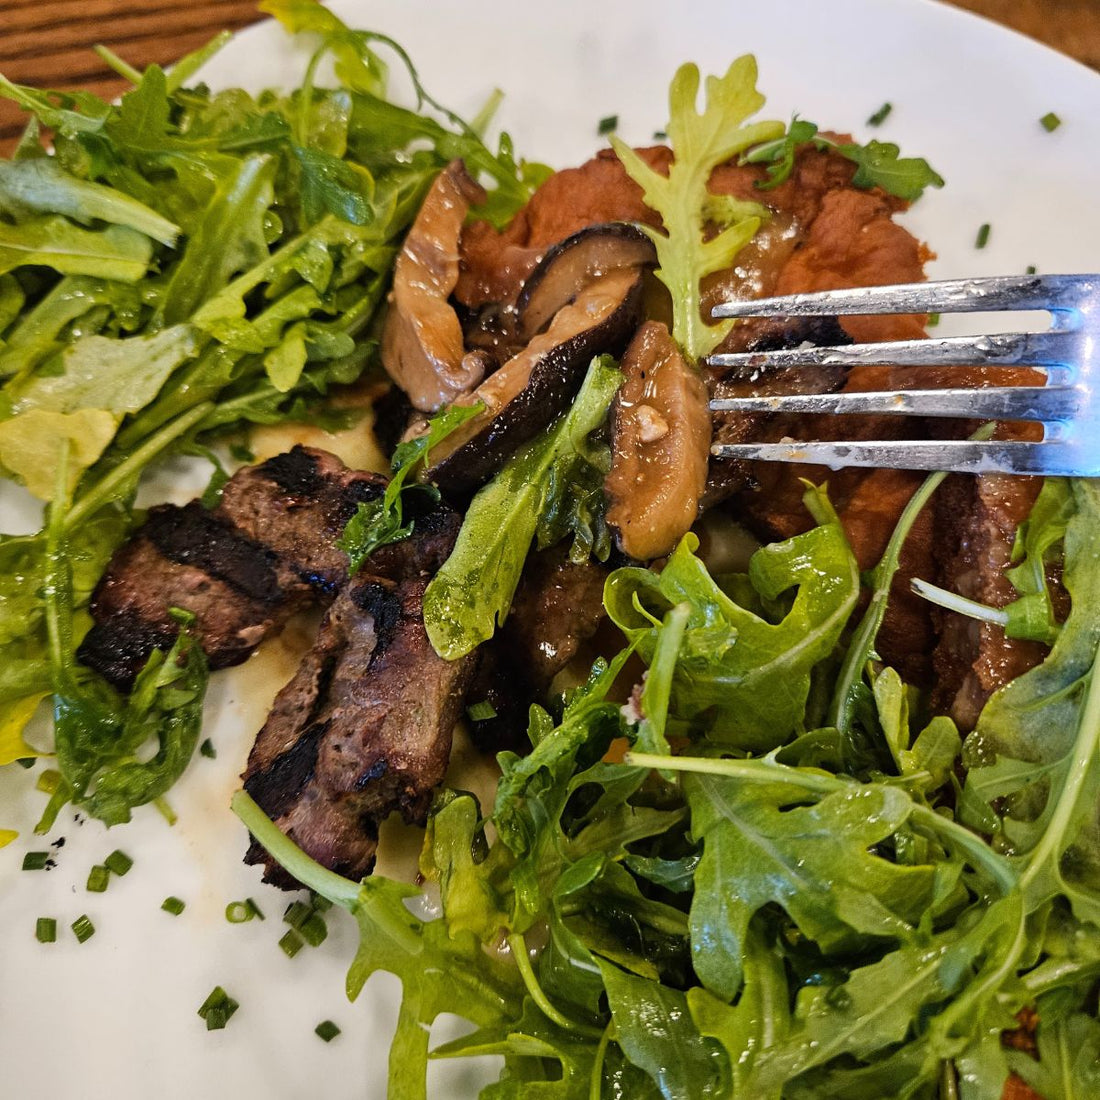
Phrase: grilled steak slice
{"type": "Point", "coordinates": [363, 728]}
{"type": "Point", "coordinates": [976, 519]}
{"type": "Point", "coordinates": [298, 503]}
{"type": "Point", "coordinates": [558, 606]}
{"type": "Point", "coordinates": [267, 550]}
{"type": "Point", "coordinates": [182, 557]}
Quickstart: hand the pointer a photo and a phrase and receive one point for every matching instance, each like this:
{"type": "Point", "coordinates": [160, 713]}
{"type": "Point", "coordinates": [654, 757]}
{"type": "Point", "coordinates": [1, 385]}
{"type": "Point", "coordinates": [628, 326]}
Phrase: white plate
{"type": "Point", "coordinates": [116, 1017]}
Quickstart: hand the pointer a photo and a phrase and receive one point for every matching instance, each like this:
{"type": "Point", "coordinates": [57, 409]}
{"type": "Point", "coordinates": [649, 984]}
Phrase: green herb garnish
{"type": "Point", "coordinates": [83, 928]}
{"type": "Point", "coordinates": [173, 905]}
{"type": "Point", "coordinates": [880, 116]}
{"type": "Point", "coordinates": [45, 930]}
{"type": "Point", "coordinates": [878, 163]}
{"type": "Point", "coordinates": [1050, 122]}
{"type": "Point", "coordinates": [700, 142]}
{"type": "Point", "coordinates": [327, 1030]}
{"type": "Point", "coordinates": [98, 879]}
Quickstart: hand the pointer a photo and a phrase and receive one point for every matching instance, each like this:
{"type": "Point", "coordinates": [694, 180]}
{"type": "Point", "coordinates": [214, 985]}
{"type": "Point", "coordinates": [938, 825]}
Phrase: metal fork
{"type": "Point", "coordinates": [1068, 406]}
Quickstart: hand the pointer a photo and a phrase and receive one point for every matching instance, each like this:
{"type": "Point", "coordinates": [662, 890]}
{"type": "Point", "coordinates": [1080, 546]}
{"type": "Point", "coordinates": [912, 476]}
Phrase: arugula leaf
{"type": "Point", "coordinates": [700, 142]}
{"type": "Point", "coordinates": [657, 1033]}
{"type": "Point", "coordinates": [759, 1020]}
{"type": "Point", "coordinates": [41, 186]}
{"type": "Point", "coordinates": [102, 753]}
{"type": "Point", "coordinates": [381, 521]}
{"type": "Point", "coordinates": [878, 163]}
{"type": "Point", "coordinates": [116, 252]}
{"type": "Point", "coordinates": [473, 590]}
{"type": "Point", "coordinates": [1068, 1067]}
{"type": "Point", "coordinates": [1032, 615]}
{"type": "Point", "coordinates": [743, 678]}
{"type": "Point", "coordinates": [1034, 750]}
{"type": "Point", "coordinates": [761, 846]}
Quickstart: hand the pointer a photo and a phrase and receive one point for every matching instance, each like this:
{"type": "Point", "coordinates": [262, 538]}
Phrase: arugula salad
{"type": "Point", "coordinates": [743, 858]}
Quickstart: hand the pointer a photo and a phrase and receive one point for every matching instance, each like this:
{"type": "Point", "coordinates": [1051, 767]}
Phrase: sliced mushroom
{"type": "Point", "coordinates": [570, 265]}
{"type": "Point", "coordinates": [422, 347]}
{"type": "Point", "coordinates": [660, 446]}
{"type": "Point", "coordinates": [537, 385]}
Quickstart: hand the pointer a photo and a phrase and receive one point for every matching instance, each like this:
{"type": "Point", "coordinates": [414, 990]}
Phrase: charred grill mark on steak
{"type": "Point", "coordinates": [267, 550]}
{"type": "Point", "coordinates": [377, 728]}
{"type": "Point", "coordinates": [193, 536]}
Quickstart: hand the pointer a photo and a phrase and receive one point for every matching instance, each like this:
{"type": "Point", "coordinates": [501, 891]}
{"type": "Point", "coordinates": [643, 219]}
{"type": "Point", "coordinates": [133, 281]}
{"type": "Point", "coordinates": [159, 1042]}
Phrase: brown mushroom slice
{"type": "Point", "coordinates": [660, 446]}
{"type": "Point", "coordinates": [570, 265]}
{"type": "Point", "coordinates": [422, 346]}
{"type": "Point", "coordinates": [539, 383]}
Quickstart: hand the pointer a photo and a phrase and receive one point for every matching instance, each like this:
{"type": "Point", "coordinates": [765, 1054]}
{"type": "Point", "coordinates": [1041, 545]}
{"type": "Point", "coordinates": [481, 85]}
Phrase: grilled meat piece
{"type": "Point", "coordinates": [558, 606]}
{"type": "Point", "coordinates": [363, 728]}
{"type": "Point", "coordinates": [267, 550]}
{"type": "Point", "coordinates": [189, 558]}
{"type": "Point", "coordinates": [976, 519]}
{"type": "Point", "coordinates": [725, 476]}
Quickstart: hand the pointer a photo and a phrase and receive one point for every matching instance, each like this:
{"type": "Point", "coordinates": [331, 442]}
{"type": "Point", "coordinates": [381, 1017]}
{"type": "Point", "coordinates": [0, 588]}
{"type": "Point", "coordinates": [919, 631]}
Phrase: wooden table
{"type": "Point", "coordinates": [48, 43]}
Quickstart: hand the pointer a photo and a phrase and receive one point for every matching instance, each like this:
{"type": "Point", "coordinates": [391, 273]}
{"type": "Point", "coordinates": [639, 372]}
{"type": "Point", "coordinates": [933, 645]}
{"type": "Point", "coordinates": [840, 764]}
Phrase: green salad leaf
{"type": "Point", "coordinates": [744, 667]}
{"type": "Point", "coordinates": [472, 592]}
{"type": "Point", "coordinates": [878, 163]}
{"type": "Point", "coordinates": [700, 141]}
{"type": "Point", "coordinates": [381, 521]}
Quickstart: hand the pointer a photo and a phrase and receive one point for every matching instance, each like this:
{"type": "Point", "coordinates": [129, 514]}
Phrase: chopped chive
{"type": "Point", "coordinates": [314, 930]}
{"type": "Point", "coordinates": [207, 749]}
{"type": "Point", "coordinates": [608, 125]}
{"type": "Point", "coordinates": [118, 862]}
{"type": "Point", "coordinates": [297, 913]}
{"type": "Point", "coordinates": [47, 782]}
{"type": "Point", "coordinates": [880, 116]}
{"type": "Point", "coordinates": [45, 930]}
{"type": "Point", "coordinates": [83, 928]}
{"type": "Point", "coordinates": [982, 238]}
{"type": "Point", "coordinates": [165, 810]}
{"type": "Point", "coordinates": [217, 1009]}
{"type": "Point", "coordinates": [320, 904]}
{"type": "Point", "coordinates": [1031, 269]}
{"type": "Point", "coordinates": [291, 943]}
{"type": "Point", "coordinates": [36, 861]}
{"type": "Point", "coordinates": [481, 712]}
{"type": "Point", "coordinates": [98, 878]}
{"type": "Point", "coordinates": [173, 905]}
{"type": "Point", "coordinates": [1050, 122]}
{"type": "Point", "coordinates": [933, 320]}
{"type": "Point", "coordinates": [238, 912]}
{"type": "Point", "coordinates": [327, 1030]}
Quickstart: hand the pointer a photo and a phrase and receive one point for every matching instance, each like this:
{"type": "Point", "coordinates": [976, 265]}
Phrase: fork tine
{"type": "Point", "coordinates": [995, 403]}
{"type": "Point", "coordinates": [960, 455]}
{"type": "Point", "coordinates": [1046, 292]}
{"type": "Point", "coordinates": [1003, 349]}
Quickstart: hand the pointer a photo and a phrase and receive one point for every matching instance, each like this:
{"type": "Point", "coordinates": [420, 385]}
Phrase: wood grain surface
{"type": "Point", "coordinates": [48, 43]}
